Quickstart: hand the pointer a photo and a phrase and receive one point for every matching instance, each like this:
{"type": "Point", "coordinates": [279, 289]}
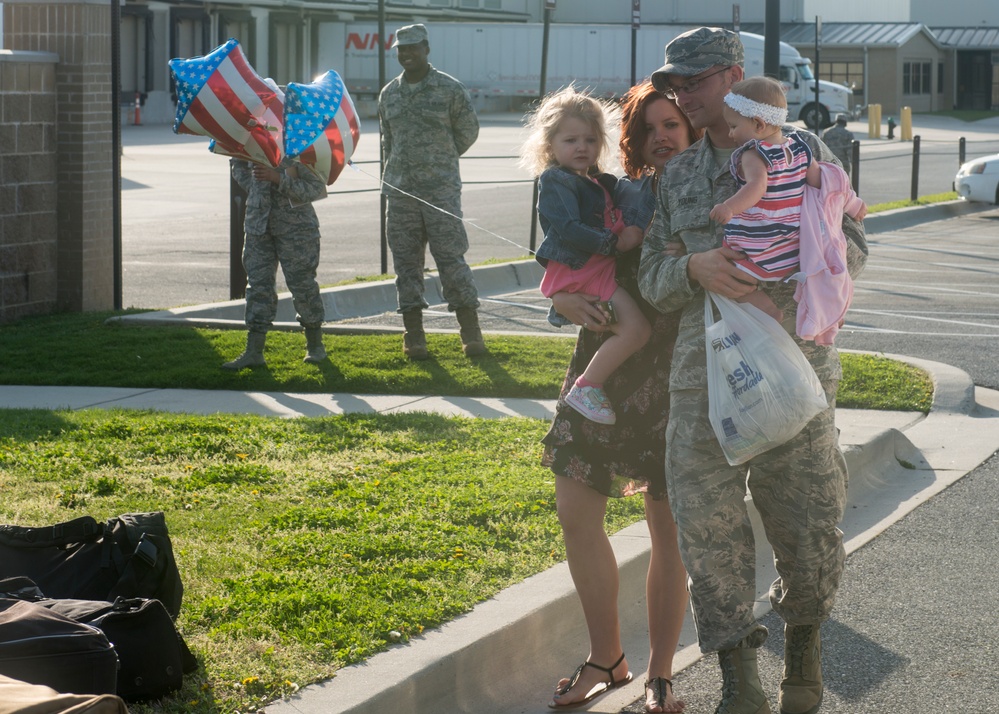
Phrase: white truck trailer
{"type": "Point", "coordinates": [503, 60]}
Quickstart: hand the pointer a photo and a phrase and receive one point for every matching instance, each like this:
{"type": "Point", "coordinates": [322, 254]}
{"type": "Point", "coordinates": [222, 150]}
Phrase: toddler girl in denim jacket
{"type": "Point", "coordinates": [583, 232]}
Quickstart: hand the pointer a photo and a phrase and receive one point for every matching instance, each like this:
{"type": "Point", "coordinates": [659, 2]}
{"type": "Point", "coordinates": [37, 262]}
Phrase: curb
{"type": "Point", "coordinates": [509, 649]}
{"type": "Point", "coordinates": [343, 302]}
{"type": "Point", "coordinates": [886, 447]}
{"type": "Point", "coordinates": [902, 218]}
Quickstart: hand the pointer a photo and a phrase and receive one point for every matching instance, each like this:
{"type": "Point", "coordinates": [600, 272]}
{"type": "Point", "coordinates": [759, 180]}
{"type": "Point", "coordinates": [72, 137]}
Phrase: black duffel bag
{"type": "Point", "coordinates": [153, 657]}
{"type": "Point", "coordinates": [128, 556]}
{"type": "Point", "coordinates": [43, 647]}
{"type": "Point", "coordinates": [152, 654]}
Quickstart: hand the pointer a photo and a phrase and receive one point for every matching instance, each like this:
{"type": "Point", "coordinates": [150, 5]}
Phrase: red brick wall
{"type": "Point", "coordinates": [28, 215]}
{"type": "Point", "coordinates": [79, 32]}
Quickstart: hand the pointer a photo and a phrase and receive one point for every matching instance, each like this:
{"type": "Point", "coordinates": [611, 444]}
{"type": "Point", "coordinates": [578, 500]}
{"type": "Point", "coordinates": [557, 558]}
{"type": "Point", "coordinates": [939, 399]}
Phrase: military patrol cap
{"type": "Point", "coordinates": [841, 119]}
{"type": "Point", "coordinates": [699, 50]}
{"type": "Point", "coordinates": [410, 35]}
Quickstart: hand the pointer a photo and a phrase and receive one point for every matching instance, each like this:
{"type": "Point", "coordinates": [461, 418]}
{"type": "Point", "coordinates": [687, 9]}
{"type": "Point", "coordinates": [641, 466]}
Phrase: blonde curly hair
{"type": "Point", "coordinates": [543, 124]}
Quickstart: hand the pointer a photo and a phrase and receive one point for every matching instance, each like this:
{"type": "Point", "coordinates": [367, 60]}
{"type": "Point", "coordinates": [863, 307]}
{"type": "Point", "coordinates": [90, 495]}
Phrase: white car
{"type": "Point", "coordinates": [978, 180]}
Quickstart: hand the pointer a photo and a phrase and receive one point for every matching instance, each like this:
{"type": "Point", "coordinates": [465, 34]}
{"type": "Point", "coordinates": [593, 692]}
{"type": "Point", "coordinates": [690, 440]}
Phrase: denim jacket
{"type": "Point", "coordinates": [636, 199]}
{"type": "Point", "coordinates": [637, 202]}
{"type": "Point", "coordinates": [571, 212]}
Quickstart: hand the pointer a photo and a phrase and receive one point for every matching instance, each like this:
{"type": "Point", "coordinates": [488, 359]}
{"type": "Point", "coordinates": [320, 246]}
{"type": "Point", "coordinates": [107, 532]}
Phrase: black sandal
{"type": "Point", "coordinates": [608, 686]}
{"type": "Point", "coordinates": [658, 686]}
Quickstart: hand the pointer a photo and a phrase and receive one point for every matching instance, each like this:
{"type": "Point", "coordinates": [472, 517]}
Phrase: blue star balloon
{"type": "Point", "coordinates": [320, 125]}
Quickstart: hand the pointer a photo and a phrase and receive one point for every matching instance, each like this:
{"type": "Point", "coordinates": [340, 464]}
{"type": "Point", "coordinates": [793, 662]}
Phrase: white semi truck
{"type": "Point", "coordinates": [504, 60]}
{"type": "Point", "coordinates": [799, 83]}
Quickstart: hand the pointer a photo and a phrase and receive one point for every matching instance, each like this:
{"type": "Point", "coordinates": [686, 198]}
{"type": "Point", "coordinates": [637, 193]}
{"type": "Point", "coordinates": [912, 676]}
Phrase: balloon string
{"type": "Point", "coordinates": [438, 208]}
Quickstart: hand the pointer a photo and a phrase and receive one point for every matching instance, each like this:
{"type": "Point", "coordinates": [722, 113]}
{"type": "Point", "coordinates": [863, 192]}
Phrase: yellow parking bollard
{"type": "Point", "coordinates": [906, 133]}
{"type": "Point", "coordinates": [874, 121]}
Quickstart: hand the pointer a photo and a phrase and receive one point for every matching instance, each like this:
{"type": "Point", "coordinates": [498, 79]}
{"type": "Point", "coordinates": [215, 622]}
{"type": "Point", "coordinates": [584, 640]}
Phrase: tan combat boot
{"type": "Point", "coordinates": [742, 692]}
{"type": "Point", "coordinates": [801, 688]}
{"type": "Point", "coordinates": [472, 343]}
{"type": "Point", "coordinates": [253, 355]}
{"type": "Point", "coordinates": [315, 351]}
{"type": "Point", "coordinates": [414, 342]}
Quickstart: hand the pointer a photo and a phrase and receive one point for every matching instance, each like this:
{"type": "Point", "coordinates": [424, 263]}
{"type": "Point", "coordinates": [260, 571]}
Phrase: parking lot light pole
{"type": "Point", "coordinates": [549, 8]}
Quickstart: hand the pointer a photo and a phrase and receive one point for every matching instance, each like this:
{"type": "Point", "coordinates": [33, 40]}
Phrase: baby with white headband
{"type": "Point", "coordinates": [763, 218]}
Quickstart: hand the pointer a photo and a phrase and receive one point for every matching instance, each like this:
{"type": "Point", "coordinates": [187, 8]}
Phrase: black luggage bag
{"type": "Point", "coordinates": [128, 556]}
{"type": "Point", "coordinates": [43, 647]}
{"type": "Point", "coordinates": [152, 655]}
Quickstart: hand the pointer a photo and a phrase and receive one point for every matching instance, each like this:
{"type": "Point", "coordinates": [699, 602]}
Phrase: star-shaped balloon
{"type": "Point", "coordinates": [220, 96]}
{"type": "Point", "coordinates": [320, 125]}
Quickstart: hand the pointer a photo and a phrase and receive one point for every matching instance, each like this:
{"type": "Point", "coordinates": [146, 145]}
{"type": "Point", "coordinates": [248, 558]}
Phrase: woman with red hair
{"type": "Point", "coordinates": [595, 462]}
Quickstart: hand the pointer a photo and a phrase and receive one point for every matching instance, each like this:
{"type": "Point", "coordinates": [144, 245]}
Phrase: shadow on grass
{"type": "Point", "coordinates": [84, 350]}
{"type": "Point", "coordinates": [28, 425]}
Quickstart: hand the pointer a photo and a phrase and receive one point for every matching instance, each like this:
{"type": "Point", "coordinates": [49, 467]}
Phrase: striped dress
{"type": "Point", "coordinates": [768, 232]}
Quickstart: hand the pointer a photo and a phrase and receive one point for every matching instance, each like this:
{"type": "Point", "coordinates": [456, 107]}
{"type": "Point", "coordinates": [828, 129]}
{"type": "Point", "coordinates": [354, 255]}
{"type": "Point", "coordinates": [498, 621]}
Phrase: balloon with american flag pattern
{"type": "Point", "coordinates": [273, 120]}
{"type": "Point", "coordinates": [221, 96]}
{"type": "Point", "coordinates": [320, 125]}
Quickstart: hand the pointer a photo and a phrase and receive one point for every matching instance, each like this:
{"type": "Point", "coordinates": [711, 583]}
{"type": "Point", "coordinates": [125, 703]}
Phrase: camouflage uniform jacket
{"type": "Point", "coordinates": [284, 208]}
{"type": "Point", "coordinates": [425, 128]}
{"type": "Point", "coordinates": [839, 139]}
{"type": "Point", "coordinates": [691, 185]}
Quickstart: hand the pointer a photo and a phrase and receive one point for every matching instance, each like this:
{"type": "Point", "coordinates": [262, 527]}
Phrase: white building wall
{"type": "Point", "coordinates": [935, 13]}
{"type": "Point", "coordinates": [160, 81]}
{"type": "Point", "coordinates": [669, 11]}
{"type": "Point", "coordinates": [262, 41]}
{"type": "Point", "coordinates": [533, 7]}
{"type": "Point", "coordinates": [857, 10]}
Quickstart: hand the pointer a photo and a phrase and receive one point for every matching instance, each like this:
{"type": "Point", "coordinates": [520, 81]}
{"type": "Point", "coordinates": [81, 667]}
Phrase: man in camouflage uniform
{"type": "Point", "coordinates": [427, 122]}
{"type": "Point", "coordinates": [839, 139]}
{"type": "Point", "coordinates": [799, 488]}
{"type": "Point", "coordinates": [281, 227]}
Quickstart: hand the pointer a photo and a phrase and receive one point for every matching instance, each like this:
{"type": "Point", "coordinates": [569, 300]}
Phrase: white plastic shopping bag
{"type": "Point", "coordinates": [761, 389]}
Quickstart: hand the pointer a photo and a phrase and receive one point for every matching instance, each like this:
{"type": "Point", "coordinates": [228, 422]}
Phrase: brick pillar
{"type": "Point", "coordinates": [28, 160]}
{"type": "Point", "coordinates": [79, 32]}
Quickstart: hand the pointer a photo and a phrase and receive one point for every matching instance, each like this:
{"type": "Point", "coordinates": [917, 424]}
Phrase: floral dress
{"type": "Point", "coordinates": [627, 457]}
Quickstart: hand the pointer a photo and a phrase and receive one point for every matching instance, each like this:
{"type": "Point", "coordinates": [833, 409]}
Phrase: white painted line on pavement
{"type": "Point", "coordinates": [540, 308]}
{"type": "Point", "coordinates": [925, 318]}
{"type": "Point", "coordinates": [928, 289]}
{"type": "Point", "coordinates": [887, 331]}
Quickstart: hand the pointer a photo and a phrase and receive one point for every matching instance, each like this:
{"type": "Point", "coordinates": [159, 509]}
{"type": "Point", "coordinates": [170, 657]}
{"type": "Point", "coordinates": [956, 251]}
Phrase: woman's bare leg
{"type": "Point", "coordinates": [595, 574]}
{"type": "Point", "coordinates": [666, 594]}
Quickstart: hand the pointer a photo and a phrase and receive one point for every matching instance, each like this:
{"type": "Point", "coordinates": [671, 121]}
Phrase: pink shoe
{"type": "Point", "coordinates": [592, 403]}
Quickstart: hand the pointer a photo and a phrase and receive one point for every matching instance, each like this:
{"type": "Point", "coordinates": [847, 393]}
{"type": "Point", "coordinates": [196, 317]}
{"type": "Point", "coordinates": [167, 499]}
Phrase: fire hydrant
{"type": "Point", "coordinates": [891, 128]}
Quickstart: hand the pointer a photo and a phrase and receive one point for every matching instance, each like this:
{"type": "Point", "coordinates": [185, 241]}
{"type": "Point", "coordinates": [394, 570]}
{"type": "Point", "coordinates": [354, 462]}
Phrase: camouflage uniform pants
{"type": "Point", "coordinates": [799, 489]}
{"type": "Point", "coordinates": [298, 256]}
{"type": "Point", "coordinates": [410, 227]}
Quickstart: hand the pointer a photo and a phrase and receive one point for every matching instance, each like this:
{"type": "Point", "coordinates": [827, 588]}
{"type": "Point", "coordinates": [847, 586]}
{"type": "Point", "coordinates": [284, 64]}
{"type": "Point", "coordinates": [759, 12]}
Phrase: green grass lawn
{"type": "Point", "coordinates": [82, 350]}
{"type": "Point", "coordinates": [303, 544]}
{"type": "Point", "coordinates": [921, 201]}
{"type": "Point", "coordinates": [309, 544]}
